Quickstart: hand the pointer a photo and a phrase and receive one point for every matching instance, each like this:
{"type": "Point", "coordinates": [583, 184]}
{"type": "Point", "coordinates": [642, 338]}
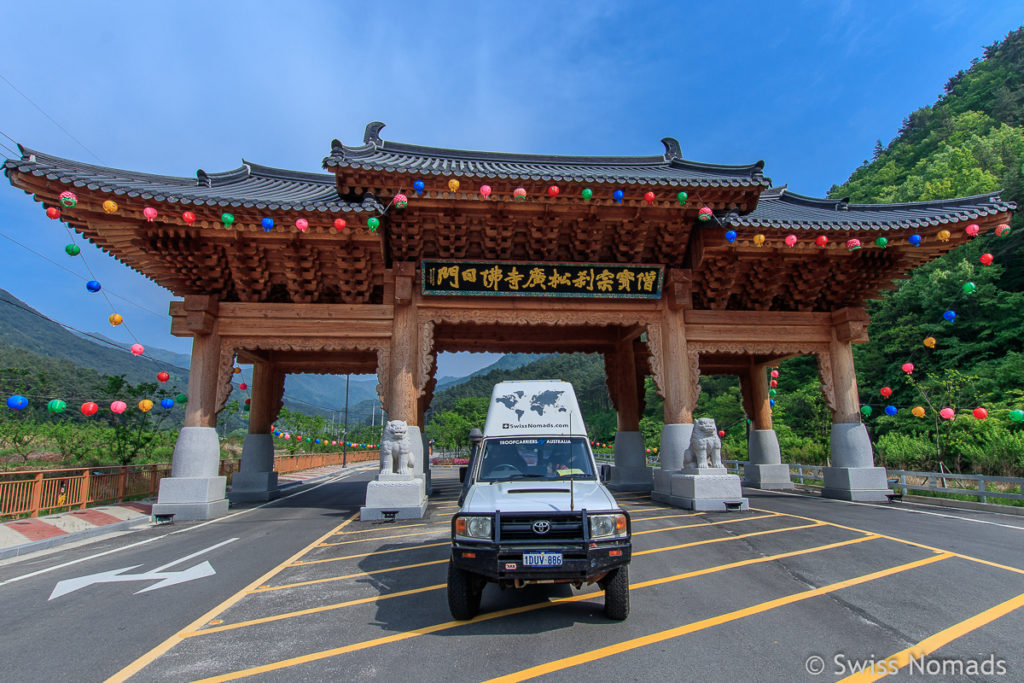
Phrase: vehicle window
{"type": "Point", "coordinates": [540, 458]}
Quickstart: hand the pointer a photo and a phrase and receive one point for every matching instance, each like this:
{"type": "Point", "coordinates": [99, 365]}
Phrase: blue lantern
{"type": "Point", "coordinates": [915, 240]}
{"type": "Point", "coordinates": [419, 185]}
{"type": "Point", "coordinates": [17, 402]}
{"type": "Point", "coordinates": [618, 195]}
{"type": "Point", "coordinates": [890, 410]}
{"type": "Point", "coordinates": [277, 432]}
{"type": "Point", "coordinates": [268, 224]}
{"type": "Point", "coordinates": [949, 315]}
{"type": "Point", "coordinates": [92, 286]}
{"type": "Point", "coordinates": [730, 236]}
{"type": "Point", "coordinates": [318, 441]}
{"type": "Point", "coordinates": [167, 403]}
{"type": "Point", "coordinates": [771, 402]}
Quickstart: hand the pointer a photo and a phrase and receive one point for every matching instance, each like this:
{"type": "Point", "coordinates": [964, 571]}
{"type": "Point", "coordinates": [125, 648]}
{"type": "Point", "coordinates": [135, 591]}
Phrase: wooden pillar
{"type": "Point", "coordinates": [267, 389]}
{"type": "Point", "coordinates": [679, 378]}
{"type": "Point", "coordinates": [201, 409]}
{"type": "Point", "coordinates": [849, 327]}
{"type": "Point", "coordinates": [402, 384]}
{"type": "Point", "coordinates": [622, 379]}
{"type": "Point", "coordinates": [754, 385]}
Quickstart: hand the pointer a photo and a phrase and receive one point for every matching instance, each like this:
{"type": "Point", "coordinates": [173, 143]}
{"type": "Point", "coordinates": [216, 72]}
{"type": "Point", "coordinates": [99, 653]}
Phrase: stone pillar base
{"type": "Point", "coordinates": [248, 487]}
{"type": "Point", "coordinates": [194, 491]}
{"type": "Point", "coordinates": [704, 489]}
{"type": "Point", "coordinates": [403, 494]}
{"type": "Point", "coordinates": [775, 477]}
{"type": "Point", "coordinates": [630, 479]}
{"type": "Point", "coordinates": [864, 484]}
{"type": "Point", "coordinates": [662, 481]}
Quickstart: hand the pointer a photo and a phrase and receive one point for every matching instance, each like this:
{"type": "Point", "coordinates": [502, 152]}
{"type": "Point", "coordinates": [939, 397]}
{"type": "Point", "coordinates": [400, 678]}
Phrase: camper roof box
{"type": "Point", "coordinates": [534, 407]}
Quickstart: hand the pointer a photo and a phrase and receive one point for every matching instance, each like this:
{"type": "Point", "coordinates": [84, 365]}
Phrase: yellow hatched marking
{"type": "Point", "coordinates": [647, 519]}
{"type": "Point", "coordinates": [357, 575]}
{"type": "Point", "coordinates": [381, 538]}
{"type": "Point", "coordinates": [375, 552]}
{"type": "Point", "coordinates": [661, 636]}
{"type": "Point", "coordinates": [373, 531]}
{"type": "Point", "coordinates": [397, 637]}
{"type": "Point", "coordinates": [932, 643]}
{"type": "Point", "coordinates": [693, 526]}
{"type": "Point", "coordinates": [732, 538]}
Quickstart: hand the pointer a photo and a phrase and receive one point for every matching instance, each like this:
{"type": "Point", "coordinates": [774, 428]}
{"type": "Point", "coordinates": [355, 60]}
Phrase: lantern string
{"type": "Point", "coordinates": [51, 119]}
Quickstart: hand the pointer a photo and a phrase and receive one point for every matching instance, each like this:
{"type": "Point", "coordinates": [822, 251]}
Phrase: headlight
{"type": "Point", "coordinates": [473, 527]}
{"type": "Point", "coordinates": [607, 525]}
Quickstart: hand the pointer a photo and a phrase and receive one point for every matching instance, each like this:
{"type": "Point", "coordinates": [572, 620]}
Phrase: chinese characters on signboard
{"type": "Point", "coordinates": [524, 278]}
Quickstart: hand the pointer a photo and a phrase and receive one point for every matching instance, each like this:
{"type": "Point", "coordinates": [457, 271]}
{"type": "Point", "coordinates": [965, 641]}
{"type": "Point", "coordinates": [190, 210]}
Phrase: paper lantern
{"type": "Point", "coordinates": [649, 197]}
{"type": "Point", "coordinates": [914, 240]}
{"type": "Point", "coordinates": [485, 191]}
{"type": "Point", "coordinates": [552, 190]}
{"type": "Point", "coordinates": [721, 432]}
{"type": "Point", "coordinates": [771, 402]}
{"type": "Point", "coordinates": [774, 373]}
{"type": "Point", "coordinates": [334, 443]}
{"type": "Point", "coordinates": [774, 383]}
{"type": "Point", "coordinates": [56, 406]}
{"type": "Point", "coordinates": [943, 235]}
{"type": "Point", "coordinates": [418, 186]}
{"type": "Point", "coordinates": [72, 249]}
{"type": "Point", "coordinates": [236, 370]}
{"type": "Point", "coordinates": [704, 214]}
{"type": "Point", "coordinates": [949, 315]}
{"type": "Point", "coordinates": [188, 217]}
{"type": "Point", "coordinates": [881, 242]}
{"type": "Point", "coordinates": [115, 319]}
{"type": "Point", "coordinates": [287, 437]}
{"type": "Point", "coordinates": [890, 410]}
{"type": "Point", "coordinates": [167, 403]}
{"type": "Point", "coordinates": [865, 411]}
{"type": "Point", "coordinates": [730, 236]}
{"type": "Point", "coordinates": [947, 414]}
{"type": "Point", "coordinates": [519, 194]}
{"type": "Point", "coordinates": [773, 393]}
{"type": "Point", "coordinates": [453, 185]}
{"type": "Point", "coordinates": [1017, 415]}
{"type": "Point", "coordinates": [247, 401]}
{"type": "Point", "coordinates": [118, 407]}
{"type": "Point", "coordinates": [758, 240]}
{"type": "Point", "coordinates": [821, 241]}
{"type": "Point", "coordinates": [93, 286]}
{"type": "Point", "coordinates": [243, 386]}
{"type": "Point", "coordinates": [1002, 230]}
{"type": "Point", "coordinates": [17, 402]}
{"type": "Point", "coordinates": [986, 259]}
{"type": "Point", "coordinates": [929, 342]}
{"type": "Point", "coordinates": [267, 223]}
{"type": "Point", "coordinates": [110, 206]}
{"type": "Point", "coordinates": [373, 223]}
{"type": "Point", "coordinates": [145, 405]}
{"type": "Point", "coordinates": [150, 213]}
{"type": "Point", "coordinates": [790, 240]}
{"type": "Point", "coordinates": [886, 392]}
{"type": "Point", "coordinates": [969, 288]}
{"type": "Point", "coordinates": [302, 224]}
{"type": "Point", "coordinates": [618, 196]}
{"type": "Point", "coordinates": [137, 349]}
{"type": "Point", "coordinates": [68, 199]}
{"type": "Point", "coordinates": [682, 197]}
{"type": "Point", "coordinates": [339, 224]}
{"type": "Point", "coordinates": [972, 230]}
{"type": "Point", "coordinates": [917, 411]}
{"type": "Point", "coordinates": [401, 201]}
{"type": "Point", "coordinates": [980, 414]}
{"type": "Point", "coordinates": [228, 219]}
{"type": "Point", "coordinates": [53, 213]}
{"type": "Point", "coordinates": [587, 193]}
{"type": "Point", "coordinates": [89, 409]}
{"type": "Point", "coordinates": [907, 368]}
{"type": "Point", "coordinates": [853, 244]}
{"type": "Point", "coordinates": [181, 398]}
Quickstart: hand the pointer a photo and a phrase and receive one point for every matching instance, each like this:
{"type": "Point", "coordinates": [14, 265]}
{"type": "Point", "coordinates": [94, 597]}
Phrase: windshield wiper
{"type": "Point", "coordinates": [528, 476]}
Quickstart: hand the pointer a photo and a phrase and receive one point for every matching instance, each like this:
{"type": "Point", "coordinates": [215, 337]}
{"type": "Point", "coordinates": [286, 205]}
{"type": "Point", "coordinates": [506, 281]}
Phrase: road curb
{"type": "Point", "coordinates": [46, 543]}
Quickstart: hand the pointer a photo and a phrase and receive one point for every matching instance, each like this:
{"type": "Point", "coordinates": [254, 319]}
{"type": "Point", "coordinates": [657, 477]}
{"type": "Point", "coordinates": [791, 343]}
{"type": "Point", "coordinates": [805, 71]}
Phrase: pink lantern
{"type": "Point", "coordinates": [980, 413]}
{"type": "Point", "coordinates": [907, 368]}
{"type": "Point", "coordinates": [947, 413]}
{"type": "Point", "coordinates": [287, 437]}
{"type": "Point", "coordinates": [775, 373]}
{"type": "Point", "coordinates": [188, 217]}
{"type": "Point", "coordinates": [821, 241]}
{"type": "Point", "coordinates": [704, 213]}
{"type": "Point", "coordinates": [986, 259]}
{"type": "Point", "coordinates": [118, 407]}
{"type": "Point", "coordinates": [339, 224]}
{"type": "Point", "coordinates": [138, 349]}
{"type": "Point", "coordinates": [401, 201]}
{"type": "Point", "coordinates": [150, 213]}
{"type": "Point", "coordinates": [790, 240]}
{"type": "Point", "coordinates": [972, 229]}
{"type": "Point", "coordinates": [853, 244]}
{"type": "Point", "coordinates": [302, 224]}
{"type": "Point", "coordinates": [519, 194]}
{"type": "Point", "coordinates": [334, 443]}
{"type": "Point", "coordinates": [485, 191]}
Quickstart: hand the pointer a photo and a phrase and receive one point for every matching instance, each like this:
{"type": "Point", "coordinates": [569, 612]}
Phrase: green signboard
{"type": "Point", "coordinates": [527, 278]}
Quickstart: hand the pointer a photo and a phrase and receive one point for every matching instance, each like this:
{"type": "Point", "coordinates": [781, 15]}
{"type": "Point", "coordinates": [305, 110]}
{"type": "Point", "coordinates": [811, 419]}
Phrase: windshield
{"type": "Point", "coordinates": [535, 458]}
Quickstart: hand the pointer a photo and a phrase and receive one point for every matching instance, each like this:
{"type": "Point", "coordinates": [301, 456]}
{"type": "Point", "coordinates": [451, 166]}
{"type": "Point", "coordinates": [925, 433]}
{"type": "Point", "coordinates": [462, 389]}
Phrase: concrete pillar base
{"type": "Point", "coordinates": [774, 477]}
{"type": "Point", "coordinates": [675, 439]}
{"type": "Point", "coordinates": [630, 471]}
{"type": "Point", "coordinates": [864, 484]}
{"type": "Point", "coordinates": [256, 481]}
{"type": "Point", "coordinates": [630, 479]}
{"type": "Point", "coordinates": [402, 494]}
{"type": "Point", "coordinates": [707, 489]}
{"type": "Point", "coordinates": [194, 491]}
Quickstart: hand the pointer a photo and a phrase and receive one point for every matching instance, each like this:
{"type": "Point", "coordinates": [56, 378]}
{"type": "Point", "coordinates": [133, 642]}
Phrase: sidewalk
{"type": "Point", "coordinates": [23, 536]}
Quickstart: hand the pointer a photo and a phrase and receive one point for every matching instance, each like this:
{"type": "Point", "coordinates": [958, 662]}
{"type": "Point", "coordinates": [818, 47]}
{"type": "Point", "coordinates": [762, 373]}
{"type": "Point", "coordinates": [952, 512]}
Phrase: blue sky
{"type": "Point", "coordinates": [172, 87]}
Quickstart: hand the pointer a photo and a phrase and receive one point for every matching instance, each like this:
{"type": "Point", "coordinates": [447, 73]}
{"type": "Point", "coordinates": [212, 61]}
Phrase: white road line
{"type": "Point", "coordinates": [189, 557]}
{"type": "Point", "coordinates": [342, 475]}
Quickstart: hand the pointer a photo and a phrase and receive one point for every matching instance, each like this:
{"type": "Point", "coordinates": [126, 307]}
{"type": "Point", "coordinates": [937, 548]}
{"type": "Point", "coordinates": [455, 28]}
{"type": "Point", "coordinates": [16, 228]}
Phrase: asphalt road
{"type": "Point", "coordinates": [307, 592]}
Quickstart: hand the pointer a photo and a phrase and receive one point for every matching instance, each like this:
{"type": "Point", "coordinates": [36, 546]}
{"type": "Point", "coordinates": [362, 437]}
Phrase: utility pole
{"type": "Point", "coordinates": [344, 448]}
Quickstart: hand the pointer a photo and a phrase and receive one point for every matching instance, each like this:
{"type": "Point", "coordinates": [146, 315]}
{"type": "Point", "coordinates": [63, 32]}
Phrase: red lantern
{"type": "Point", "coordinates": [704, 214]}
{"type": "Point", "coordinates": [485, 191]}
{"type": "Point", "coordinates": [339, 224]}
{"type": "Point", "coordinates": [821, 240]}
{"type": "Point", "coordinates": [243, 386]}
{"type": "Point", "coordinates": [188, 217]}
{"type": "Point", "coordinates": [908, 368]}
{"type": "Point", "coordinates": [302, 224]}
{"type": "Point", "coordinates": [53, 212]}
{"type": "Point", "coordinates": [247, 401]}
{"type": "Point", "coordinates": [1002, 230]}
{"type": "Point", "coordinates": [980, 414]}
{"type": "Point", "coordinates": [853, 244]}
{"type": "Point", "coordinates": [649, 197]}
{"type": "Point", "coordinates": [401, 201]}
{"type": "Point", "coordinates": [89, 409]}
{"type": "Point", "coordinates": [775, 373]}
{"type": "Point", "coordinates": [947, 413]}
{"type": "Point", "coordinates": [972, 229]}
{"type": "Point", "coordinates": [553, 190]}
{"type": "Point", "coordinates": [721, 432]}
{"type": "Point", "coordinates": [150, 213]}
{"type": "Point", "coordinates": [774, 383]}
{"type": "Point", "coordinates": [986, 259]}
{"type": "Point", "coordinates": [886, 392]}
{"type": "Point", "coordinates": [162, 376]}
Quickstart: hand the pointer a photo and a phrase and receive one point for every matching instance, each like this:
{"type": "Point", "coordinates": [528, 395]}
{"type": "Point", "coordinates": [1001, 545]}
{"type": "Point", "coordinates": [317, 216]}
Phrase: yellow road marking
{"type": "Point", "coordinates": [381, 538]}
{"type": "Point", "coordinates": [693, 526]}
{"type": "Point", "coordinates": [312, 610]}
{"type": "Point", "coordinates": [357, 575]}
{"type": "Point", "coordinates": [728, 538]}
{"type": "Point", "coordinates": [934, 642]}
{"type": "Point", "coordinates": [300, 563]}
{"type": "Point", "coordinates": [372, 531]}
{"type": "Point", "coordinates": [661, 636]}
{"type": "Point", "coordinates": [647, 519]}
{"type": "Point", "coordinates": [146, 659]}
{"type": "Point", "coordinates": [367, 644]}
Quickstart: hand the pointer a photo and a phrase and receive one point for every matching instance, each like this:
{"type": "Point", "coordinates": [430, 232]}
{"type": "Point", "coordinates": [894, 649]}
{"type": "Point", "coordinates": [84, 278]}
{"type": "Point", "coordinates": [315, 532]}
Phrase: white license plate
{"type": "Point", "coordinates": [542, 559]}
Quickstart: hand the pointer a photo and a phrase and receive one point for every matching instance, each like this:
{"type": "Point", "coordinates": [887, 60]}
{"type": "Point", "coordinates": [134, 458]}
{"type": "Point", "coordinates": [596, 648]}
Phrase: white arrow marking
{"type": "Point", "coordinates": [163, 578]}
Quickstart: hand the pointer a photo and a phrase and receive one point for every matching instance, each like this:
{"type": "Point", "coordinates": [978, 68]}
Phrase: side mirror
{"type": "Point", "coordinates": [462, 474]}
{"type": "Point", "coordinates": [606, 474]}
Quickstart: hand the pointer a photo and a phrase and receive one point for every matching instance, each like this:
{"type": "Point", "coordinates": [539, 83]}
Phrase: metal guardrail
{"type": "Point", "coordinates": [906, 480]}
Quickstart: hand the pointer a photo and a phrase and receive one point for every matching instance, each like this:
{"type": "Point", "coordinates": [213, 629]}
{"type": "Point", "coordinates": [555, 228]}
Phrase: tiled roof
{"type": "Point", "coordinates": [250, 185]}
{"type": "Point", "coordinates": [779, 208]}
{"type": "Point", "coordinates": [665, 169]}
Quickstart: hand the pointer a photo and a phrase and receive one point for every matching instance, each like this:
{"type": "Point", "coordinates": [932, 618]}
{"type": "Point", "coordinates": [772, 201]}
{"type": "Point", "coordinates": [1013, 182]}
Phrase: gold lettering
{"type": "Point", "coordinates": [584, 280]}
{"type": "Point", "coordinates": [513, 278]}
{"type": "Point", "coordinates": [469, 275]}
{"type": "Point", "coordinates": [557, 279]}
{"type": "Point", "coordinates": [537, 279]}
{"type": "Point", "coordinates": [492, 278]}
{"type": "Point", "coordinates": [604, 280]}
{"type": "Point", "coordinates": [646, 280]}
{"type": "Point", "coordinates": [449, 272]}
{"type": "Point", "coordinates": [625, 278]}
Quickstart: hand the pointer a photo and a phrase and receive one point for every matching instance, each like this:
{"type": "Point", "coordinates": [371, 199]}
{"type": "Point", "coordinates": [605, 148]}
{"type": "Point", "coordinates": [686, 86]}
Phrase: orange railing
{"type": "Point", "coordinates": [283, 464]}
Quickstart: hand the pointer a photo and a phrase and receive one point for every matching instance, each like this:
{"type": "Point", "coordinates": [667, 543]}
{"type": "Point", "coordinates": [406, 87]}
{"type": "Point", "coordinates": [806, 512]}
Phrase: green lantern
{"type": "Point", "coordinates": [587, 194]}
{"type": "Point", "coordinates": [373, 223]}
{"type": "Point", "coordinates": [309, 438]}
{"type": "Point", "coordinates": [72, 250]}
{"type": "Point", "coordinates": [228, 219]}
{"type": "Point", "coordinates": [245, 408]}
{"type": "Point", "coordinates": [772, 393]}
{"type": "Point", "coordinates": [181, 398]}
{"type": "Point", "coordinates": [969, 287]}
{"type": "Point", "coordinates": [866, 411]}
{"type": "Point", "coordinates": [682, 197]}
{"type": "Point", "coordinates": [881, 242]}
{"type": "Point", "coordinates": [1017, 415]}
{"type": "Point", "coordinates": [56, 406]}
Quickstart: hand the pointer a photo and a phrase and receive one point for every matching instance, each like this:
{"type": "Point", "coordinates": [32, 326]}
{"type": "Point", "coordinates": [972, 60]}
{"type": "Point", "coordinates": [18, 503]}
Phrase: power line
{"type": "Point", "coordinates": [52, 120]}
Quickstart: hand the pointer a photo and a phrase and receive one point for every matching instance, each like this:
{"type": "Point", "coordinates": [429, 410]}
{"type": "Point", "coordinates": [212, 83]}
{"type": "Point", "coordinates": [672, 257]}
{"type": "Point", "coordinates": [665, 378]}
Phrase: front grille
{"type": "Point", "coordinates": [520, 527]}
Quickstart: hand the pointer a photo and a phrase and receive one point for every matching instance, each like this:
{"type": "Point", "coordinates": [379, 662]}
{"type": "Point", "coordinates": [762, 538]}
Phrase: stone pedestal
{"type": "Point", "coordinates": [704, 489]}
{"type": "Point", "coordinates": [194, 491]}
{"type": "Point", "coordinates": [402, 494]}
{"type": "Point", "coordinates": [853, 475]}
{"type": "Point", "coordinates": [630, 471]}
{"type": "Point", "coordinates": [256, 480]}
{"type": "Point", "coordinates": [764, 469]}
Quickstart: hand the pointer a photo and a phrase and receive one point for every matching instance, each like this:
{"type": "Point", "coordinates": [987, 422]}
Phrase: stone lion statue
{"type": "Point", "coordinates": [704, 445]}
{"type": "Point", "coordinates": [395, 450]}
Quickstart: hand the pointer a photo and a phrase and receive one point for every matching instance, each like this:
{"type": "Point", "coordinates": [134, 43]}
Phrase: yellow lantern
{"type": "Point", "coordinates": [115, 319]}
{"type": "Point", "coordinates": [237, 371]}
{"type": "Point", "coordinates": [453, 185]}
{"type": "Point", "coordinates": [943, 235]}
{"type": "Point", "coordinates": [929, 342]}
{"type": "Point", "coordinates": [918, 411]}
{"type": "Point", "coordinates": [145, 405]}
{"type": "Point", "coordinates": [758, 240]}
{"type": "Point", "coordinates": [110, 206]}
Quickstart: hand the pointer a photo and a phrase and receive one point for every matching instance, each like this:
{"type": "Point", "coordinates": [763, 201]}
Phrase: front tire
{"type": "Point", "coordinates": [616, 594]}
{"type": "Point", "coordinates": [464, 593]}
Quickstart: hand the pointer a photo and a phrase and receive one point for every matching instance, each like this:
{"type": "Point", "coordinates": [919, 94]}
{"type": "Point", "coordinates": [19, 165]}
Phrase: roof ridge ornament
{"type": "Point", "coordinates": [672, 149]}
{"type": "Point", "coordinates": [337, 149]}
{"type": "Point", "coordinates": [202, 179]}
{"type": "Point", "coordinates": [372, 134]}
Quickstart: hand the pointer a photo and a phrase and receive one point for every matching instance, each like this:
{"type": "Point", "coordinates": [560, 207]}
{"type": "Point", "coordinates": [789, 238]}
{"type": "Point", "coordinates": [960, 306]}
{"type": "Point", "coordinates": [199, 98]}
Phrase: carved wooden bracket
{"type": "Point", "coordinates": [825, 374]}
{"type": "Point", "coordinates": [851, 325]}
{"type": "Point", "coordinates": [678, 288]}
{"type": "Point", "coordinates": [655, 358]}
{"type": "Point", "coordinates": [383, 375]}
{"type": "Point", "coordinates": [425, 362]}
{"type": "Point", "coordinates": [200, 313]}
{"type": "Point", "coordinates": [693, 390]}
{"type": "Point", "coordinates": [405, 273]}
